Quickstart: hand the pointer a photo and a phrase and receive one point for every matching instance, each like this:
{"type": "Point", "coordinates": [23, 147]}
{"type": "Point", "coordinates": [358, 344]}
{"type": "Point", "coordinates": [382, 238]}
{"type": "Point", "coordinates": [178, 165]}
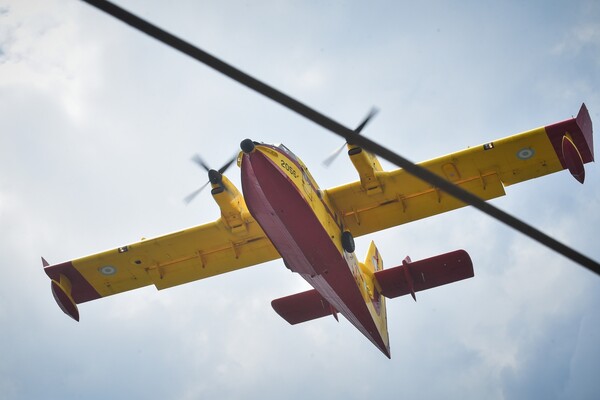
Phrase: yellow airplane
{"type": "Point", "coordinates": [284, 214]}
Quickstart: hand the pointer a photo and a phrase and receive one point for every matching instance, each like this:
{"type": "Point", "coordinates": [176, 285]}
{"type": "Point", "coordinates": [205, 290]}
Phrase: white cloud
{"type": "Point", "coordinates": [580, 39]}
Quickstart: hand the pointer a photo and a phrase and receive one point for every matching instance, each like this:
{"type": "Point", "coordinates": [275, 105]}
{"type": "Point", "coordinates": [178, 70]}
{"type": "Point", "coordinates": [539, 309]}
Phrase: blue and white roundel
{"type": "Point", "coordinates": [108, 270]}
{"type": "Point", "coordinates": [525, 154]}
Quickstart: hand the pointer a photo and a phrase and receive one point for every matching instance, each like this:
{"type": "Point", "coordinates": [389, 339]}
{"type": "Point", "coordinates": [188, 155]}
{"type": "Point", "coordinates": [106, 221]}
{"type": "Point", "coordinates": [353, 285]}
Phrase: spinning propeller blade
{"type": "Point", "coordinates": [188, 199]}
{"type": "Point", "coordinates": [200, 161]}
{"type": "Point", "coordinates": [329, 160]}
{"type": "Point", "coordinates": [226, 166]}
{"type": "Point", "coordinates": [372, 113]}
{"type": "Point", "coordinates": [214, 176]}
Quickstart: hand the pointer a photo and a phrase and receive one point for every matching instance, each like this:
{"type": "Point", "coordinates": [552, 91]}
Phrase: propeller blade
{"type": "Point", "coordinates": [214, 176]}
{"type": "Point", "coordinates": [329, 160]}
{"type": "Point", "coordinates": [188, 199]}
{"type": "Point", "coordinates": [372, 113]}
{"type": "Point", "coordinates": [227, 164]}
{"type": "Point", "coordinates": [200, 161]}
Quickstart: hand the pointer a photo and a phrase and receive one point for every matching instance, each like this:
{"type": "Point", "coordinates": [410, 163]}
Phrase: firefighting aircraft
{"type": "Point", "coordinates": [282, 213]}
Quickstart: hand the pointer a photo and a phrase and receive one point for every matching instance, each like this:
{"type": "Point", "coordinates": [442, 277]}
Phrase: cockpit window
{"type": "Point", "coordinates": [305, 174]}
{"type": "Point", "coordinates": [287, 151]}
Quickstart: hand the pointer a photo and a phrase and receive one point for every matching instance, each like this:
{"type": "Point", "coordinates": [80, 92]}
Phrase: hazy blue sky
{"type": "Point", "coordinates": [98, 124]}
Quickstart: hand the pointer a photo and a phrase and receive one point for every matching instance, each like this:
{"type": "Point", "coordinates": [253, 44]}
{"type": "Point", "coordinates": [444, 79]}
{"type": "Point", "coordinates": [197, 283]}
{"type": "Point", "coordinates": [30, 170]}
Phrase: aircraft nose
{"type": "Point", "coordinates": [247, 146]}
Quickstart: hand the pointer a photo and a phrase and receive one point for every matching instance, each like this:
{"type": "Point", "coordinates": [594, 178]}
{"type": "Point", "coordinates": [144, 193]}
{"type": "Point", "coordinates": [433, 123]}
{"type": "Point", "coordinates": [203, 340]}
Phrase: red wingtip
{"type": "Point", "coordinates": [45, 263]}
{"type": "Point", "coordinates": [580, 150]}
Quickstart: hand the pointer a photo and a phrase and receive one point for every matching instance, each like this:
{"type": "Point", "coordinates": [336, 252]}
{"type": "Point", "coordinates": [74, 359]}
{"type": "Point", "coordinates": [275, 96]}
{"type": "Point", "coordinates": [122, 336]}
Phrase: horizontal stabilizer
{"type": "Point", "coordinates": [425, 274]}
{"type": "Point", "coordinates": [303, 307]}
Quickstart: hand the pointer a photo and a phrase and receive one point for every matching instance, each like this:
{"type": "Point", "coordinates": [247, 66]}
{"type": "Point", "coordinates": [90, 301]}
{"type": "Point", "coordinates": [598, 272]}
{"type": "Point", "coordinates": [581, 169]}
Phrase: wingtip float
{"type": "Point", "coordinates": [69, 287]}
{"type": "Point", "coordinates": [61, 291]}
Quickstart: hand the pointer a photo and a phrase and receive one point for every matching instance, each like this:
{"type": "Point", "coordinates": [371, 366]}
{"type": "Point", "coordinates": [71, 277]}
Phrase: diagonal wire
{"type": "Point", "coordinates": [339, 129]}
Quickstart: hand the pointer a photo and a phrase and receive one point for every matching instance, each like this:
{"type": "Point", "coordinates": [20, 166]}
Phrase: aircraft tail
{"type": "Point", "coordinates": [309, 305]}
{"type": "Point", "coordinates": [373, 297]}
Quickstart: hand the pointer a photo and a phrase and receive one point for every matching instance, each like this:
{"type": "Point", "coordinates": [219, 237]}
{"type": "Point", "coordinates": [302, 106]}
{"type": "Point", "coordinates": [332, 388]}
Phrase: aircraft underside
{"type": "Point", "coordinates": [305, 246]}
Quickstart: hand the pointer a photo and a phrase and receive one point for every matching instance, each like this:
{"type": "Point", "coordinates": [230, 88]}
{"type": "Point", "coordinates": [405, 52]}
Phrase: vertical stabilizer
{"type": "Point", "coordinates": [375, 301]}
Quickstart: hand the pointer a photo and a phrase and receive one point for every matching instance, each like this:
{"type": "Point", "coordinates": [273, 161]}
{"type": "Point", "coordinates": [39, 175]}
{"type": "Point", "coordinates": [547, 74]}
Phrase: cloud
{"type": "Point", "coordinates": [580, 40]}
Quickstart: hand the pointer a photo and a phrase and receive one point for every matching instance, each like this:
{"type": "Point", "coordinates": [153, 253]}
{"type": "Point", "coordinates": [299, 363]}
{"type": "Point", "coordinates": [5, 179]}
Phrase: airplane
{"type": "Point", "coordinates": [282, 213]}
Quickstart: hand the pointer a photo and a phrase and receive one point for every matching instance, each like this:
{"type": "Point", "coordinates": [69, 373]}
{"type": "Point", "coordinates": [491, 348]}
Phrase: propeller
{"type": "Point", "coordinates": [215, 176]}
{"type": "Point", "coordinates": [329, 160]}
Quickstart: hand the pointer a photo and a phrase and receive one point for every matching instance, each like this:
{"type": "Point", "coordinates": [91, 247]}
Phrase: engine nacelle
{"type": "Point", "coordinates": [367, 166]}
{"type": "Point", "coordinates": [231, 202]}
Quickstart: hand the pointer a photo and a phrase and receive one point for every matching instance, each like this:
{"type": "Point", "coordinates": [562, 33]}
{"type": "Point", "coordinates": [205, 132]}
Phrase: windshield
{"type": "Point", "coordinates": [287, 151]}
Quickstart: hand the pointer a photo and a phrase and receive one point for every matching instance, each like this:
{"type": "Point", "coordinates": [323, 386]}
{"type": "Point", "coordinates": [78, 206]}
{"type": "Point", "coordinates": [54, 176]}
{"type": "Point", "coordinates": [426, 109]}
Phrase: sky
{"type": "Point", "coordinates": [98, 125]}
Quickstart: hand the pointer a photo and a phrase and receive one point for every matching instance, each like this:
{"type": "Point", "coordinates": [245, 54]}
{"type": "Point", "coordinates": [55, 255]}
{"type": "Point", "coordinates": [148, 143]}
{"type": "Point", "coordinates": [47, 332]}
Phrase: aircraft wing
{"type": "Point", "coordinates": [482, 170]}
{"type": "Point", "coordinates": [165, 261]}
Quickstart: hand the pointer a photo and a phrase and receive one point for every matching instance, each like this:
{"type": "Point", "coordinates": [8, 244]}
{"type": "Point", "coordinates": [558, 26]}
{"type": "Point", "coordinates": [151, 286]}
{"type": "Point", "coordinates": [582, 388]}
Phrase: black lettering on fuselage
{"type": "Point", "coordinates": [289, 168]}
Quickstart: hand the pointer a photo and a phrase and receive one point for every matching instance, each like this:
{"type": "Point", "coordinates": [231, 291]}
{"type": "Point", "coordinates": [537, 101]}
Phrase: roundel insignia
{"type": "Point", "coordinates": [108, 270]}
{"type": "Point", "coordinates": [525, 154]}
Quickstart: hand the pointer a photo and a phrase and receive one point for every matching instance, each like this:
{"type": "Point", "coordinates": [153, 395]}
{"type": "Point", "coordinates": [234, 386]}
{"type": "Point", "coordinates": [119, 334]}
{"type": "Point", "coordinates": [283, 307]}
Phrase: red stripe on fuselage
{"type": "Point", "coordinates": [291, 224]}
